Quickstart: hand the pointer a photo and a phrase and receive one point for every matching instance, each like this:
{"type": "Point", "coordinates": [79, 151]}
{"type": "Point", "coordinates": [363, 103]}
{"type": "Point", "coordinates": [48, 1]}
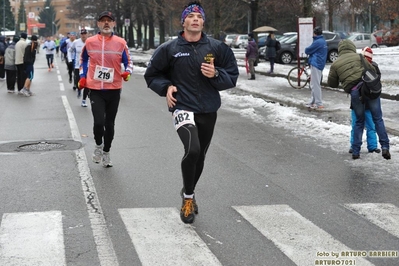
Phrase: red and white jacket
{"type": "Point", "coordinates": [101, 59]}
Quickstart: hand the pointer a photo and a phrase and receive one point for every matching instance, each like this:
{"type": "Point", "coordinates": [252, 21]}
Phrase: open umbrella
{"type": "Point", "coordinates": [264, 29]}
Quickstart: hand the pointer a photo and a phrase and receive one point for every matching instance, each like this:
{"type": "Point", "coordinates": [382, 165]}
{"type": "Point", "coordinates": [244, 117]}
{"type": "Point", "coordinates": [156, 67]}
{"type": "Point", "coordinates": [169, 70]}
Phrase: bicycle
{"type": "Point", "coordinates": [299, 77]}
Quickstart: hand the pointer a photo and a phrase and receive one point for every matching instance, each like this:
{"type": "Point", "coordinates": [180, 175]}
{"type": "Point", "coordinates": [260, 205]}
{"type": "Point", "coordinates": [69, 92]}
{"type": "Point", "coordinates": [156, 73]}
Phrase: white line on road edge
{"type": "Point", "coordinates": [33, 238]}
{"type": "Point", "coordinates": [383, 215]}
{"type": "Point", "coordinates": [105, 249]}
{"type": "Point", "coordinates": [297, 237]}
{"type": "Point", "coordinates": [160, 238]}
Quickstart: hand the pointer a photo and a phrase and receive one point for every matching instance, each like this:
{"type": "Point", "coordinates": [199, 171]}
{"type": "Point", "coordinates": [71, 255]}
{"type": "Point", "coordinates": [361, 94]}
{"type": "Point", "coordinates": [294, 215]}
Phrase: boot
{"type": "Point", "coordinates": [252, 77]}
{"type": "Point", "coordinates": [271, 69]}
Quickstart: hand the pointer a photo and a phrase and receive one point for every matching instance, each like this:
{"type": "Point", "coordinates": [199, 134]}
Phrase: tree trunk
{"type": "Point", "coordinates": [307, 8]}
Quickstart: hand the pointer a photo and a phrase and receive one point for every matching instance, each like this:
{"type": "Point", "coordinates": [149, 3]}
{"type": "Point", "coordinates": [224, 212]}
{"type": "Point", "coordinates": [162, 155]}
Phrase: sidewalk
{"type": "Point", "coordinates": [275, 87]}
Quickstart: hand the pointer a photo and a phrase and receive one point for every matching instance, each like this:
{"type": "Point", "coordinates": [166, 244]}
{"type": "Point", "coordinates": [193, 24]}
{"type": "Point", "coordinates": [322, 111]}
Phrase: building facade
{"type": "Point", "coordinates": [33, 9]}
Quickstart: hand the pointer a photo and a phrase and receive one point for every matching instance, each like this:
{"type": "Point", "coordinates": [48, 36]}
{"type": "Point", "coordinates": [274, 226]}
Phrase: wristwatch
{"type": "Point", "coordinates": [216, 73]}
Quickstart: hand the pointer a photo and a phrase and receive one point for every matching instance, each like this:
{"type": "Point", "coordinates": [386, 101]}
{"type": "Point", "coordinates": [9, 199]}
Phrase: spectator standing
{"type": "Point", "coordinates": [251, 55]}
{"type": "Point", "coordinates": [10, 67]}
{"type": "Point", "coordinates": [19, 61]}
{"type": "Point", "coordinates": [74, 56]}
{"type": "Point", "coordinates": [348, 70]}
{"type": "Point", "coordinates": [3, 47]}
{"type": "Point", "coordinates": [209, 66]}
{"type": "Point", "coordinates": [29, 61]}
{"type": "Point", "coordinates": [271, 50]}
{"type": "Point", "coordinates": [49, 46]}
{"type": "Point", "coordinates": [100, 72]}
{"type": "Point", "coordinates": [317, 53]}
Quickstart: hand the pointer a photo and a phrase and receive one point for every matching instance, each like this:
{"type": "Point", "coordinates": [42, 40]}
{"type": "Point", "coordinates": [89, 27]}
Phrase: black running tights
{"type": "Point", "coordinates": [104, 107]}
{"type": "Point", "coordinates": [196, 140]}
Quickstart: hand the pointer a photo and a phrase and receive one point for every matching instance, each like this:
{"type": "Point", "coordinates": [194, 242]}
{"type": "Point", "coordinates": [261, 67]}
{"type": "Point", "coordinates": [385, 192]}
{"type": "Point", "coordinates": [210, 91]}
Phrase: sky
{"type": "Point", "coordinates": [329, 134]}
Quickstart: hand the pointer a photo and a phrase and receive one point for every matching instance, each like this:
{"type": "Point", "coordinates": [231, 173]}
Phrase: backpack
{"type": "Point", "coordinates": [278, 46]}
{"type": "Point", "coordinates": [371, 86]}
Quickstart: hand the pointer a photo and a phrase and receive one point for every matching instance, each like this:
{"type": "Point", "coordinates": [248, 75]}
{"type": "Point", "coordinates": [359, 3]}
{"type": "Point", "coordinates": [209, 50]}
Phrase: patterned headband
{"type": "Point", "coordinates": [190, 9]}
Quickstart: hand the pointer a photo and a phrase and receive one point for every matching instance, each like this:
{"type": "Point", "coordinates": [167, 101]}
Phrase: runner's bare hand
{"type": "Point", "coordinates": [170, 99]}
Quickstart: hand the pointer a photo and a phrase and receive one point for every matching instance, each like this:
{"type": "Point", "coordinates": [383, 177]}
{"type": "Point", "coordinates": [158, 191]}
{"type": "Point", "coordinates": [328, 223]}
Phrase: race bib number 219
{"type": "Point", "coordinates": [181, 117]}
{"type": "Point", "coordinates": [104, 74]}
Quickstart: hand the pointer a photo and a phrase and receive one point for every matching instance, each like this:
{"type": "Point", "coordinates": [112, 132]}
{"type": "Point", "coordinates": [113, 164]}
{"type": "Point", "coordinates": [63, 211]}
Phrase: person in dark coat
{"type": "Point", "coordinates": [10, 67]}
{"type": "Point", "coordinates": [3, 47]}
{"type": "Point", "coordinates": [251, 54]}
{"type": "Point", "coordinates": [271, 50]}
{"type": "Point", "coordinates": [190, 71]}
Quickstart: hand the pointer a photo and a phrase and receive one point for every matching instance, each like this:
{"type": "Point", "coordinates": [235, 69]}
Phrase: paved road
{"type": "Point", "coordinates": [267, 196]}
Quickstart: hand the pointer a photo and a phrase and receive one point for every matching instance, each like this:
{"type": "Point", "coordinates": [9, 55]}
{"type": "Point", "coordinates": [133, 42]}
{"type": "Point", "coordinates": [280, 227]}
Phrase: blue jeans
{"type": "Point", "coordinates": [370, 130]}
{"type": "Point", "coordinates": [376, 113]}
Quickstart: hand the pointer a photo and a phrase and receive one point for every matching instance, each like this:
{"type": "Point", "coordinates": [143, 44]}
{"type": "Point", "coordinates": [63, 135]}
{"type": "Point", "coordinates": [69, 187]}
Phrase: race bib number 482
{"type": "Point", "coordinates": [181, 117]}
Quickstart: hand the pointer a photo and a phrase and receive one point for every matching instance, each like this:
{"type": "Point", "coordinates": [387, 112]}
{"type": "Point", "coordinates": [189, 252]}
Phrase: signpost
{"type": "Point", "coordinates": [305, 38]}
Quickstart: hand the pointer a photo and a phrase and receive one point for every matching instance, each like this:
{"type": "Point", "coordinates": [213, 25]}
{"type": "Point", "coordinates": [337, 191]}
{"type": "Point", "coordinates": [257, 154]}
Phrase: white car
{"type": "Point", "coordinates": [362, 40]}
{"type": "Point", "coordinates": [241, 41]}
{"type": "Point", "coordinates": [229, 39]}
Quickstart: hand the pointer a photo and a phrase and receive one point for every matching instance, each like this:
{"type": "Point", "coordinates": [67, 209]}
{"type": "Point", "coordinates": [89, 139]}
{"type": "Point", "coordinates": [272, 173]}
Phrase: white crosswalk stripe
{"type": "Point", "coordinates": [159, 235]}
{"type": "Point", "coordinates": [33, 239]}
{"type": "Point", "coordinates": [383, 215]}
{"type": "Point", "coordinates": [297, 237]}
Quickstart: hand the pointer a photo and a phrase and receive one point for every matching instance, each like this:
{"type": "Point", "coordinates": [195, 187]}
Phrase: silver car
{"type": "Point", "coordinates": [362, 40]}
{"type": "Point", "coordinates": [241, 41]}
{"type": "Point", "coordinates": [229, 39]}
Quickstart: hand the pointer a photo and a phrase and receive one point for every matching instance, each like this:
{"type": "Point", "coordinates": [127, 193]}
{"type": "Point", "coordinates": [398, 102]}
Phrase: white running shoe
{"type": "Point", "coordinates": [84, 104]}
{"type": "Point", "coordinates": [98, 153]}
{"type": "Point", "coordinates": [106, 160]}
{"type": "Point", "coordinates": [25, 92]}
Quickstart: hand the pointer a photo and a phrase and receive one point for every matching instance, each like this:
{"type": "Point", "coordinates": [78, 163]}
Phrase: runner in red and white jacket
{"type": "Point", "coordinates": [101, 73]}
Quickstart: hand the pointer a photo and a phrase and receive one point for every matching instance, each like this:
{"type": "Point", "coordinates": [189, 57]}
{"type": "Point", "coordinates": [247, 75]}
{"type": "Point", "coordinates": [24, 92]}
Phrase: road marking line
{"type": "Point", "coordinates": [297, 237]}
{"type": "Point", "coordinates": [160, 237]}
{"type": "Point", "coordinates": [383, 215]}
{"type": "Point", "coordinates": [105, 249]}
{"type": "Point", "coordinates": [32, 238]}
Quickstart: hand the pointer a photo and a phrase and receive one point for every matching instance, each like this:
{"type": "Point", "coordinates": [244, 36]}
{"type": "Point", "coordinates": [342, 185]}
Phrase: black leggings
{"type": "Point", "coordinates": [50, 58]}
{"type": "Point", "coordinates": [104, 107]}
{"type": "Point", "coordinates": [196, 140]}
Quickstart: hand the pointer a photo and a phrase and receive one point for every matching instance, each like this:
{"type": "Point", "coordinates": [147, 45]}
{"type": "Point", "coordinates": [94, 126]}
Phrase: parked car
{"type": "Point", "coordinates": [343, 34]}
{"type": "Point", "coordinates": [229, 39]}
{"type": "Point", "coordinates": [362, 40]}
{"type": "Point", "coordinates": [262, 41]}
{"type": "Point", "coordinates": [288, 50]}
{"type": "Point", "coordinates": [241, 41]}
{"type": "Point", "coordinates": [378, 36]}
{"type": "Point", "coordinates": [262, 52]}
{"type": "Point", "coordinates": [391, 38]}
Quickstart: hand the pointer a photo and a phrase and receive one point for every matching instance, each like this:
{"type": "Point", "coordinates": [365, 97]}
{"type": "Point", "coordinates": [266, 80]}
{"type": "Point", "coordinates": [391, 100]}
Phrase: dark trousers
{"type": "Point", "coordinates": [21, 76]}
{"type": "Point", "coordinates": [70, 67]}
{"type": "Point", "coordinates": [196, 140]}
{"type": "Point", "coordinates": [11, 79]}
{"type": "Point", "coordinates": [2, 71]}
{"type": "Point", "coordinates": [50, 58]}
{"type": "Point", "coordinates": [76, 77]}
{"type": "Point", "coordinates": [104, 107]}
